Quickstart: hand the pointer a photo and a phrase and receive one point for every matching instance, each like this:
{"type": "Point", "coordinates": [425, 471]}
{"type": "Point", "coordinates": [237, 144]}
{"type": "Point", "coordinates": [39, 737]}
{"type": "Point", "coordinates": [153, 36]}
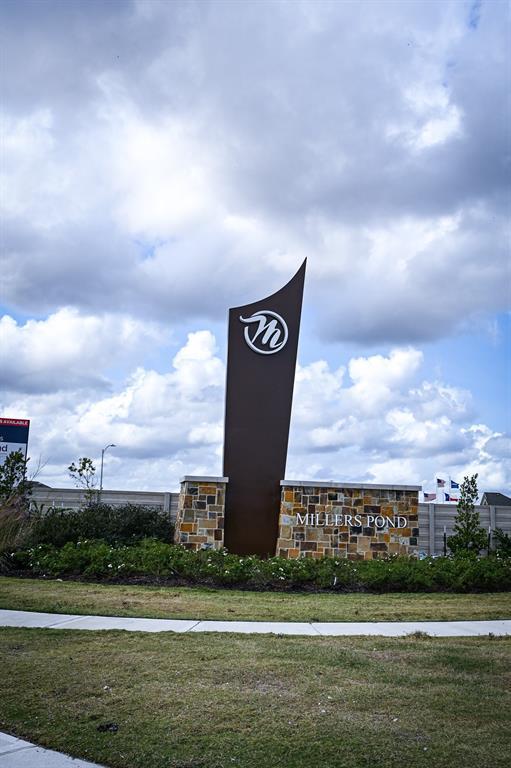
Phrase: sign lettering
{"type": "Point", "coordinates": [352, 521]}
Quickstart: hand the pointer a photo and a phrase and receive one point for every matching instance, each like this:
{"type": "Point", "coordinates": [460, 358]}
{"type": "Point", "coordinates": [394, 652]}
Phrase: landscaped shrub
{"type": "Point", "coordinates": [115, 525]}
{"type": "Point", "coordinates": [159, 561]}
{"type": "Point", "coordinates": [502, 541]}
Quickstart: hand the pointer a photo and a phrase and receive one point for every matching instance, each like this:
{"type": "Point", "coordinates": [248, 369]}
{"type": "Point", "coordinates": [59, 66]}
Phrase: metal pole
{"type": "Point", "coordinates": [431, 521]}
{"type": "Point", "coordinates": [101, 473]}
{"type": "Point", "coordinates": [110, 445]}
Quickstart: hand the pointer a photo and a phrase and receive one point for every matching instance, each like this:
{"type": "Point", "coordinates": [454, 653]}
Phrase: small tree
{"type": "Point", "coordinates": [84, 475]}
{"type": "Point", "coordinates": [14, 500]}
{"type": "Point", "coordinates": [14, 486]}
{"type": "Point", "coordinates": [469, 536]}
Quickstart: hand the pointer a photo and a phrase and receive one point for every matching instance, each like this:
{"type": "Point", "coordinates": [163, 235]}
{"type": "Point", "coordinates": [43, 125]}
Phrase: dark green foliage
{"type": "Point", "coordinates": [115, 525]}
{"type": "Point", "coordinates": [15, 492]}
{"type": "Point", "coordinates": [502, 541]}
{"type": "Point", "coordinates": [469, 536]}
{"type": "Point", "coordinates": [157, 561]}
{"type": "Point", "coordinates": [14, 486]}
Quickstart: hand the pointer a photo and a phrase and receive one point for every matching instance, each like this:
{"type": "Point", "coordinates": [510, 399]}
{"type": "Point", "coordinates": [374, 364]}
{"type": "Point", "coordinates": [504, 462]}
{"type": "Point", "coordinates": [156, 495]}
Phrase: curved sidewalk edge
{"type": "Point", "coordinates": [16, 753]}
{"type": "Point", "coordinates": [495, 627]}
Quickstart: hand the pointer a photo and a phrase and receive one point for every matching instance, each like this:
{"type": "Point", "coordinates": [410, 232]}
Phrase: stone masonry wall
{"type": "Point", "coordinates": [201, 513]}
{"type": "Point", "coordinates": [360, 522]}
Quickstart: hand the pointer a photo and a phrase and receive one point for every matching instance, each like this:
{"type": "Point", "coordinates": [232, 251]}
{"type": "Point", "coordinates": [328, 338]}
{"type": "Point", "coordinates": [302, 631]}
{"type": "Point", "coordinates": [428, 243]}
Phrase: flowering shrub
{"type": "Point", "coordinates": [157, 560]}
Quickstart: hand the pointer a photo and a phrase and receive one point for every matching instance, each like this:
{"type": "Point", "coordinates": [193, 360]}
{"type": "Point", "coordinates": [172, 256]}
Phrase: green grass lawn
{"type": "Point", "coordinates": [200, 603]}
{"type": "Point", "coordinates": [216, 701]}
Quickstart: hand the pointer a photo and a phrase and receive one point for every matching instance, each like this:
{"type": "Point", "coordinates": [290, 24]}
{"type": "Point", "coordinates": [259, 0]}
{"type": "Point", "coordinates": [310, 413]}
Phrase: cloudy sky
{"type": "Point", "coordinates": [163, 161]}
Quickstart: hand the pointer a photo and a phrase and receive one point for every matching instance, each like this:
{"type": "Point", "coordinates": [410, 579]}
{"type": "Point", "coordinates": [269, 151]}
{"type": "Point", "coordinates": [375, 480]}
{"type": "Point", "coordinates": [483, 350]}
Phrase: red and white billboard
{"type": "Point", "coordinates": [13, 437]}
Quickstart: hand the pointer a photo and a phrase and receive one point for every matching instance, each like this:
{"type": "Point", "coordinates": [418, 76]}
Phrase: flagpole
{"type": "Point", "coordinates": [438, 485]}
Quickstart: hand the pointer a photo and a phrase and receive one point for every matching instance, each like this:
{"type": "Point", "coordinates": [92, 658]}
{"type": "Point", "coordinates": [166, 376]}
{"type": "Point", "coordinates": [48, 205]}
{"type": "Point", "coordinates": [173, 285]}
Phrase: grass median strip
{"type": "Point", "coordinates": [139, 701]}
{"type": "Point", "coordinates": [55, 596]}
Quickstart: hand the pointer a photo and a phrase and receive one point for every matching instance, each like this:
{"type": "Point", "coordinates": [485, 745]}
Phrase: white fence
{"type": "Point", "coordinates": [74, 498]}
{"type": "Point", "coordinates": [434, 518]}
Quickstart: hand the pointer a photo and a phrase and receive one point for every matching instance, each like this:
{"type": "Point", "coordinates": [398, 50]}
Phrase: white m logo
{"type": "Point", "coordinates": [268, 333]}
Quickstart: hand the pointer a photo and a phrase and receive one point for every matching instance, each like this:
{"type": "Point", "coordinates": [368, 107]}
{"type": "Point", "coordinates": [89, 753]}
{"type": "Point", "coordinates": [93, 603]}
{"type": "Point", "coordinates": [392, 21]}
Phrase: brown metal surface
{"type": "Point", "coordinates": [257, 415]}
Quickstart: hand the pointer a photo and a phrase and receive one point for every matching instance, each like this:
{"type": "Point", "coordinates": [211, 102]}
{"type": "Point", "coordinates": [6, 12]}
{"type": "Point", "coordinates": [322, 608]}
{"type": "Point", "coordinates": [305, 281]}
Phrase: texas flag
{"type": "Point", "coordinates": [448, 497]}
{"type": "Point", "coordinates": [440, 483]}
{"type": "Point", "coordinates": [429, 496]}
{"type": "Point", "coordinates": [454, 485]}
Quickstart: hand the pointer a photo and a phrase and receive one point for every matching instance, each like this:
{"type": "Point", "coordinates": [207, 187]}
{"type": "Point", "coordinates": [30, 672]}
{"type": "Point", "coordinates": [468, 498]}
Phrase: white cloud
{"type": "Point", "coordinates": [383, 427]}
{"type": "Point", "coordinates": [375, 378]}
{"type": "Point", "coordinates": [360, 145]}
{"type": "Point", "coordinates": [434, 400]}
{"type": "Point", "coordinates": [389, 470]}
{"type": "Point", "coordinates": [435, 120]}
{"type": "Point", "coordinates": [155, 420]}
{"type": "Point", "coordinates": [68, 350]}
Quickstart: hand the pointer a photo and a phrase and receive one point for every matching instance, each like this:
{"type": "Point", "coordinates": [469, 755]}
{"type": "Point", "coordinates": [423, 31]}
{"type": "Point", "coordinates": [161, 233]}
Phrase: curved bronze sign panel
{"type": "Point", "coordinates": [261, 359]}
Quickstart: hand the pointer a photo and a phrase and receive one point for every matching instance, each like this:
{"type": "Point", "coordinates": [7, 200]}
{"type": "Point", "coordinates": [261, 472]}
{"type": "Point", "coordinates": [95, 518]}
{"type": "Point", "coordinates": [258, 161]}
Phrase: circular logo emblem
{"type": "Point", "coordinates": [265, 332]}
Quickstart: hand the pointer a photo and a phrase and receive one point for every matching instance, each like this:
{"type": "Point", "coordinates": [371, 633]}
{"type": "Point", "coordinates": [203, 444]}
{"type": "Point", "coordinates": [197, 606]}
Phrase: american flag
{"type": "Point", "coordinates": [440, 483]}
{"type": "Point", "coordinates": [429, 496]}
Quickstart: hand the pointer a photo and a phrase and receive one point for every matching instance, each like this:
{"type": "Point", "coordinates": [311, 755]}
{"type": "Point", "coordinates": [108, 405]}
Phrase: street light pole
{"type": "Point", "coordinates": [111, 445]}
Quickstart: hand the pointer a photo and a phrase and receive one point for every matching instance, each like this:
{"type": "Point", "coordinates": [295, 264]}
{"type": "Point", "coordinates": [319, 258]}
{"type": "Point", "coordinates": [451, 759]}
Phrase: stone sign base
{"type": "Point", "coordinates": [355, 521]}
{"type": "Point", "coordinates": [360, 522]}
{"type": "Point", "coordinates": [200, 513]}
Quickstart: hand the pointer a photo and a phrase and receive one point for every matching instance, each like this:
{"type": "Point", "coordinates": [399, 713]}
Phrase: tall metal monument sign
{"type": "Point", "coordinates": [262, 347]}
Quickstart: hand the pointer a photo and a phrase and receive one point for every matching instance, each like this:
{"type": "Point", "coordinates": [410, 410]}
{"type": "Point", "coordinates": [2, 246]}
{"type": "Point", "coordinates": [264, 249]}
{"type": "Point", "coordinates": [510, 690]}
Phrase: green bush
{"type": "Point", "coordinates": [115, 525]}
{"type": "Point", "coordinates": [157, 560]}
{"type": "Point", "coordinates": [502, 541]}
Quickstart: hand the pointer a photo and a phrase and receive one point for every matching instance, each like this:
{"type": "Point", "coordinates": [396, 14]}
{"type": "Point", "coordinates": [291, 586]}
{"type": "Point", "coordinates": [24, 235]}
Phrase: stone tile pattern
{"type": "Point", "coordinates": [200, 515]}
{"type": "Point", "coordinates": [353, 542]}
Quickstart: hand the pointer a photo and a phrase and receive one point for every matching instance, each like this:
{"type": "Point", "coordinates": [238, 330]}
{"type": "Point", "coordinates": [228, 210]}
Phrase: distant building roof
{"type": "Point", "coordinates": [495, 500]}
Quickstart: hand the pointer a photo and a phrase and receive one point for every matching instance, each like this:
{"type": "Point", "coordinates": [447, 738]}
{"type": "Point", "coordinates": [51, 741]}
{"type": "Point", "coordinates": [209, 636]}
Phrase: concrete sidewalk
{"type": "Point", "coordinates": [16, 753]}
{"type": "Point", "coordinates": [325, 629]}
